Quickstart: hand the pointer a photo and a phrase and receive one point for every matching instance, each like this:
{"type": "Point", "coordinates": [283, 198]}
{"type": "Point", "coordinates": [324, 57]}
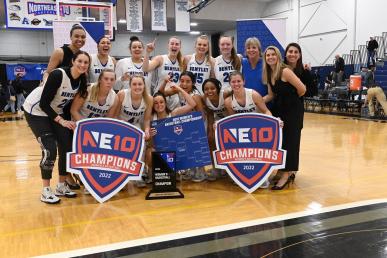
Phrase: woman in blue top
{"type": "Point", "coordinates": [252, 66]}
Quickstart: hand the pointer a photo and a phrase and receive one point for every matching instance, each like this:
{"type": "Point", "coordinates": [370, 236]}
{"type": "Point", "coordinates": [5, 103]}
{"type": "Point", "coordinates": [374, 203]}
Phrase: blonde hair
{"type": "Point", "coordinates": [208, 54]}
{"type": "Point", "coordinates": [253, 41]}
{"type": "Point", "coordinates": [96, 86]}
{"type": "Point", "coordinates": [145, 94]}
{"type": "Point", "coordinates": [235, 60]}
{"type": "Point", "coordinates": [268, 74]}
{"type": "Point", "coordinates": [179, 56]}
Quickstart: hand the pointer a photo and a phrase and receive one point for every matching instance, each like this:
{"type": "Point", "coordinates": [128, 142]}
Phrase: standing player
{"type": "Point", "coordinates": [130, 66]}
{"type": "Point", "coordinates": [200, 63]}
{"type": "Point", "coordinates": [163, 65]}
{"type": "Point", "coordinates": [44, 109]}
{"type": "Point", "coordinates": [61, 57]}
{"type": "Point", "coordinates": [101, 60]}
{"type": "Point", "coordinates": [227, 62]}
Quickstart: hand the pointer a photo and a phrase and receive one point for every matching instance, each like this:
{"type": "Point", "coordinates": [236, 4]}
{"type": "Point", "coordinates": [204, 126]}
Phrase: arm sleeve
{"type": "Point", "coordinates": [52, 85]}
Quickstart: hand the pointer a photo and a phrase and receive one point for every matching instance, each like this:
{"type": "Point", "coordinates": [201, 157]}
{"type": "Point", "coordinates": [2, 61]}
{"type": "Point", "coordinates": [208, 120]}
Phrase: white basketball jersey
{"type": "Point", "coordinates": [63, 96]}
{"type": "Point", "coordinates": [223, 69]}
{"type": "Point", "coordinates": [172, 69]}
{"type": "Point", "coordinates": [183, 101]}
{"type": "Point", "coordinates": [94, 109]}
{"type": "Point", "coordinates": [126, 65]}
{"type": "Point", "coordinates": [249, 107]}
{"type": "Point", "coordinates": [201, 70]}
{"type": "Point", "coordinates": [220, 110]}
{"type": "Point", "coordinates": [130, 114]}
{"type": "Point", "coordinates": [96, 67]}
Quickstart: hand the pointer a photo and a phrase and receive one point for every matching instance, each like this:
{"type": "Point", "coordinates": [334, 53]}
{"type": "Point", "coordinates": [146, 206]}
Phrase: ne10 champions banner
{"type": "Point", "coordinates": [186, 136]}
{"type": "Point", "coordinates": [106, 154]}
{"type": "Point", "coordinates": [248, 147]}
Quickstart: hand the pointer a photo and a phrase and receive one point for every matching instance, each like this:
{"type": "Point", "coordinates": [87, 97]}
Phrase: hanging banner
{"type": "Point", "coordinates": [159, 15]}
{"type": "Point", "coordinates": [182, 18]}
{"type": "Point", "coordinates": [106, 154]}
{"type": "Point", "coordinates": [30, 14]}
{"type": "Point", "coordinates": [30, 72]}
{"type": "Point", "coordinates": [133, 15]}
{"type": "Point", "coordinates": [186, 136]}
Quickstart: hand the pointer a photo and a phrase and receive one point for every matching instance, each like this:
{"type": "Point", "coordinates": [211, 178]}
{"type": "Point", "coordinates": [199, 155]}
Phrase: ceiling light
{"type": "Point", "coordinates": [194, 24]}
{"type": "Point", "coordinates": [121, 21]}
{"type": "Point", "coordinates": [194, 32]}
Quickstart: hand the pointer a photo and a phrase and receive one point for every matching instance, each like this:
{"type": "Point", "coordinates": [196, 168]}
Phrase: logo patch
{"type": "Point", "coordinates": [106, 155]}
{"type": "Point", "coordinates": [178, 129]}
{"type": "Point", "coordinates": [248, 147]}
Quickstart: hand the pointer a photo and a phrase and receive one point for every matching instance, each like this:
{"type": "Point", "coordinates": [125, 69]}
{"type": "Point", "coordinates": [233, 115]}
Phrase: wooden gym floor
{"type": "Point", "coordinates": [343, 160]}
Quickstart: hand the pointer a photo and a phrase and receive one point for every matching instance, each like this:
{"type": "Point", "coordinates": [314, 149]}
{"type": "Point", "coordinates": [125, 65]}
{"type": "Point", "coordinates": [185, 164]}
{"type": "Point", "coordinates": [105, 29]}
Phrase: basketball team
{"type": "Point", "coordinates": [139, 89]}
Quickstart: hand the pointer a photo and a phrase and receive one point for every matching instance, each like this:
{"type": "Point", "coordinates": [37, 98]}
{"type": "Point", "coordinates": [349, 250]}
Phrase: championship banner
{"type": "Point", "coordinates": [106, 155]}
{"type": "Point", "coordinates": [30, 72]}
{"type": "Point", "coordinates": [182, 18]}
{"type": "Point", "coordinates": [159, 15]}
{"type": "Point", "coordinates": [186, 136]}
{"type": "Point", "coordinates": [37, 14]}
{"type": "Point", "coordinates": [133, 15]}
{"type": "Point", "coordinates": [248, 147]}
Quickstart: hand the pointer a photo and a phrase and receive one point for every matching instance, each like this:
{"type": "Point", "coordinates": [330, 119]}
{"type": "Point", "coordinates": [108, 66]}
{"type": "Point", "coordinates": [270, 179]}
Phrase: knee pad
{"type": "Point", "coordinates": [48, 146]}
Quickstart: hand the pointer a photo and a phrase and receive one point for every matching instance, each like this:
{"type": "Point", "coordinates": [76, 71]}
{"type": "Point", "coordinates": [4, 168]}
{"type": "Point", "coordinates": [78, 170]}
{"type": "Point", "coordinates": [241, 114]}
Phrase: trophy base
{"type": "Point", "coordinates": [154, 195]}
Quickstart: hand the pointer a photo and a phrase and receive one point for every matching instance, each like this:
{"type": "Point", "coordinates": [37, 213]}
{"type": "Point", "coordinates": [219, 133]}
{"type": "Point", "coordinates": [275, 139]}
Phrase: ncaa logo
{"type": "Point", "coordinates": [106, 155]}
{"type": "Point", "coordinates": [248, 147]}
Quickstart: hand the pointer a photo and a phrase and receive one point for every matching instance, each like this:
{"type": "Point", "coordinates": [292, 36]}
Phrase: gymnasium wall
{"type": "Point", "coordinates": [326, 27]}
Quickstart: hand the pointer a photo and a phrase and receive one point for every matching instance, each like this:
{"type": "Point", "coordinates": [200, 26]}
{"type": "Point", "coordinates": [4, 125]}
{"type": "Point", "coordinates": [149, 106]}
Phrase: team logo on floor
{"type": "Point", "coordinates": [248, 147]}
{"type": "Point", "coordinates": [106, 155]}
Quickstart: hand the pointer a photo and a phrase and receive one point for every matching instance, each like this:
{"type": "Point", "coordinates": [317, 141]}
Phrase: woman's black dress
{"type": "Point", "coordinates": [289, 107]}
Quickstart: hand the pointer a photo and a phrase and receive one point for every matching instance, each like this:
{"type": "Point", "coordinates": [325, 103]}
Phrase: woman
{"type": "Point", "coordinates": [163, 65]}
{"type": "Point", "coordinates": [130, 66]}
{"type": "Point", "coordinates": [200, 63]}
{"type": "Point", "coordinates": [213, 99]}
{"type": "Point", "coordinates": [101, 100]}
{"type": "Point", "coordinates": [244, 100]}
{"type": "Point", "coordinates": [61, 57]}
{"type": "Point", "coordinates": [101, 60]}
{"type": "Point", "coordinates": [43, 111]}
{"type": "Point", "coordinates": [135, 107]}
{"type": "Point", "coordinates": [227, 62]}
{"type": "Point", "coordinates": [286, 89]}
{"type": "Point", "coordinates": [252, 66]}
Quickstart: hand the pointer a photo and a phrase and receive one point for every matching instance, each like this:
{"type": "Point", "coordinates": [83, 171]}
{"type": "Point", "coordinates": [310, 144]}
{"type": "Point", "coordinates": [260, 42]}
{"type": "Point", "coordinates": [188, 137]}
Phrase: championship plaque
{"type": "Point", "coordinates": [164, 177]}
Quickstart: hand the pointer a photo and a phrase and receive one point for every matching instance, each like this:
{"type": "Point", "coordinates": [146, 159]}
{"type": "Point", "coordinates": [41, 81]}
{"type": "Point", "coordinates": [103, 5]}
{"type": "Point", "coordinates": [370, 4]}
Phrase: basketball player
{"type": "Point", "coordinates": [135, 107]}
{"type": "Point", "coordinates": [101, 100]}
{"type": "Point", "coordinates": [227, 62]}
{"type": "Point", "coordinates": [61, 57]}
{"type": "Point", "coordinates": [201, 63]}
{"type": "Point", "coordinates": [43, 112]}
{"type": "Point", "coordinates": [163, 65]}
{"type": "Point", "coordinates": [101, 60]}
{"type": "Point", "coordinates": [130, 66]}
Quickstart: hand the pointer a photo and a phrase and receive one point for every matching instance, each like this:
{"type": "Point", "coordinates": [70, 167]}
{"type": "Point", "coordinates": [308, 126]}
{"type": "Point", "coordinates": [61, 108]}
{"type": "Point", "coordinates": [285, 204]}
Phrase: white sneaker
{"type": "Point", "coordinates": [63, 189]}
{"type": "Point", "coordinates": [199, 175]}
{"type": "Point", "coordinates": [265, 185]}
{"type": "Point", "coordinates": [212, 175]}
{"type": "Point", "coordinates": [48, 196]}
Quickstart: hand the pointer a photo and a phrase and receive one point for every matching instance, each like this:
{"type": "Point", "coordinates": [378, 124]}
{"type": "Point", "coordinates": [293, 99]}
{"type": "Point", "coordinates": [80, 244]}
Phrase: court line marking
{"type": "Point", "coordinates": [209, 230]}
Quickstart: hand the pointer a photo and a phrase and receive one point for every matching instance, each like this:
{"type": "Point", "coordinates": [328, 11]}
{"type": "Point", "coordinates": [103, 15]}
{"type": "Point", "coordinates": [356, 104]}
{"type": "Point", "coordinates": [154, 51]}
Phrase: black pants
{"type": "Point", "coordinates": [51, 136]}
